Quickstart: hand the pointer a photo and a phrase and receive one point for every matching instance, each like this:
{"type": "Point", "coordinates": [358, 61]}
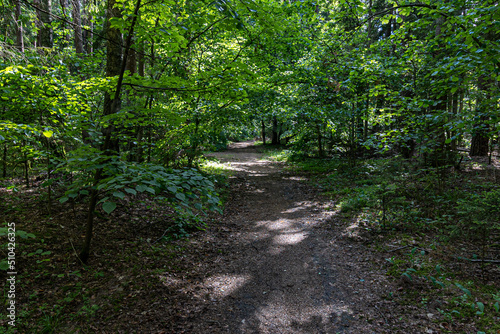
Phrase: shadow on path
{"type": "Point", "coordinates": [283, 268]}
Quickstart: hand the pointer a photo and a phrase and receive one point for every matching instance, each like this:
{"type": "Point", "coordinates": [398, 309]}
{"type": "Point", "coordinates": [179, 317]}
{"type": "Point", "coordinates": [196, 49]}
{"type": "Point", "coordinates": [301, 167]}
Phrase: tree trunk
{"type": "Point", "coordinates": [274, 139]}
{"type": "Point", "coordinates": [480, 140]}
{"type": "Point", "coordinates": [77, 20]}
{"type": "Point", "coordinates": [321, 153]}
{"type": "Point", "coordinates": [90, 42]}
{"type": "Point", "coordinates": [19, 27]}
{"type": "Point", "coordinates": [86, 34]}
{"type": "Point", "coordinates": [439, 155]}
{"type": "Point", "coordinates": [45, 35]}
{"type": "Point", "coordinates": [26, 170]}
{"type": "Point", "coordinates": [454, 111]}
{"type": "Point", "coordinates": [132, 62]}
{"type": "Point", "coordinates": [263, 131]}
{"type": "Point", "coordinates": [280, 132]}
{"type": "Point", "coordinates": [141, 66]}
{"type": "Point", "coordinates": [115, 66]}
{"type": "Point", "coordinates": [4, 169]}
{"type": "Point", "coordinates": [479, 144]}
{"type": "Point", "coordinates": [64, 9]}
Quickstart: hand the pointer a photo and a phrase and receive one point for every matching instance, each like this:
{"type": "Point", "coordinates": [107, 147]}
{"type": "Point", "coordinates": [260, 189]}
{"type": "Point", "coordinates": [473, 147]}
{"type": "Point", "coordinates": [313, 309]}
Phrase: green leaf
{"type": "Point", "coordinates": [4, 265]}
{"type": "Point", "coordinates": [109, 207]}
{"type": "Point", "coordinates": [480, 306]}
{"type": "Point", "coordinates": [466, 291]}
{"type": "Point", "coordinates": [180, 196]}
{"type": "Point", "coordinates": [131, 191]}
{"type": "Point", "coordinates": [119, 194]}
{"type": "Point", "coordinates": [48, 133]}
{"type": "Point", "coordinates": [24, 235]}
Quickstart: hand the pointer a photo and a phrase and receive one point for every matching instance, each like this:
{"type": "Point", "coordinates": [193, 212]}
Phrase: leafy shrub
{"type": "Point", "coordinates": [481, 212]}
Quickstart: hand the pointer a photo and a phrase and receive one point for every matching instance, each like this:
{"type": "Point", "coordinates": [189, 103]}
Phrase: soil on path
{"type": "Point", "coordinates": [285, 265]}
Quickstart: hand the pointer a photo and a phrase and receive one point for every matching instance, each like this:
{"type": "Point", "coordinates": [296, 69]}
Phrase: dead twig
{"type": "Point", "coordinates": [478, 260]}
{"type": "Point", "coordinates": [76, 253]}
{"type": "Point", "coordinates": [396, 249]}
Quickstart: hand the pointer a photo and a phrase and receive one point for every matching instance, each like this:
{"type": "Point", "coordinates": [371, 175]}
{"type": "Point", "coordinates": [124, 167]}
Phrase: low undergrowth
{"type": "Point", "coordinates": [132, 249]}
{"type": "Point", "coordinates": [438, 229]}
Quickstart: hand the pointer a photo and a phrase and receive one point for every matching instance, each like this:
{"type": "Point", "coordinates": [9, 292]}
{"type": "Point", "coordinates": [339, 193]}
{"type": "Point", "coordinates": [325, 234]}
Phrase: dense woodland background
{"type": "Point", "coordinates": [390, 104]}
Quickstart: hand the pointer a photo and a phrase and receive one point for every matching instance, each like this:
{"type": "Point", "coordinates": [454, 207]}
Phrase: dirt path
{"type": "Point", "coordinates": [284, 265]}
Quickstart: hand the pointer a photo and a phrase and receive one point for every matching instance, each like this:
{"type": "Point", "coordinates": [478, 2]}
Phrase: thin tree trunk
{"type": "Point", "coordinates": [274, 139]}
{"type": "Point", "coordinates": [26, 170]}
{"type": "Point", "coordinates": [49, 188]}
{"type": "Point", "coordinates": [280, 132]}
{"type": "Point", "coordinates": [370, 24]}
{"type": "Point", "coordinates": [77, 20]}
{"type": "Point", "coordinates": [115, 65]}
{"type": "Point", "coordinates": [4, 169]}
{"type": "Point", "coordinates": [87, 35]}
{"type": "Point", "coordinates": [45, 35]}
{"type": "Point", "coordinates": [64, 8]}
{"type": "Point", "coordinates": [321, 153]}
{"type": "Point", "coordinates": [263, 132]}
{"type": "Point", "coordinates": [19, 27]}
{"type": "Point", "coordinates": [131, 62]}
{"type": "Point", "coordinates": [454, 111]}
{"type": "Point", "coordinates": [140, 59]}
{"type": "Point", "coordinates": [480, 139]}
{"type": "Point", "coordinates": [90, 43]}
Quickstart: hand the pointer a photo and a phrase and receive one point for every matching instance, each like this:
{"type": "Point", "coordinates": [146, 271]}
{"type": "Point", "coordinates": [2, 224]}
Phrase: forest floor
{"type": "Point", "coordinates": [281, 259]}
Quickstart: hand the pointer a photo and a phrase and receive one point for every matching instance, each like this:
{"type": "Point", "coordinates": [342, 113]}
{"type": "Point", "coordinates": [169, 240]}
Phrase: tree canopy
{"type": "Point", "coordinates": [117, 93]}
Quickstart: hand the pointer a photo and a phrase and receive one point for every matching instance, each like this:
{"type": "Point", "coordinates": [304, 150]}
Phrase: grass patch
{"type": "Point", "coordinates": [277, 154]}
{"type": "Point", "coordinates": [216, 168]}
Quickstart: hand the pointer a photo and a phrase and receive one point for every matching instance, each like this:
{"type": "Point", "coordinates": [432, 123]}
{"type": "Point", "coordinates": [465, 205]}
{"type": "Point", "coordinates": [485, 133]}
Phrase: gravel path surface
{"type": "Point", "coordinates": [286, 267]}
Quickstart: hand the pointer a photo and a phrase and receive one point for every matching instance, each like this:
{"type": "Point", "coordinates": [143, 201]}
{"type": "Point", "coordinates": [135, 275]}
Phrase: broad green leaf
{"type": "Point", "coordinates": [109, 207]}
{"type": "Point", "coordinates": [465, 290]}
{"type": "Point", "coordinates": [119, 194]}
{"type": "Point", "coordinates": [480, 306]}
{"type": "Point", "coordinates": [131, 191]}
{"type": "Point", "coordinates": [140, 188]}
{"type": "Point", "coordinates": [4, 265]}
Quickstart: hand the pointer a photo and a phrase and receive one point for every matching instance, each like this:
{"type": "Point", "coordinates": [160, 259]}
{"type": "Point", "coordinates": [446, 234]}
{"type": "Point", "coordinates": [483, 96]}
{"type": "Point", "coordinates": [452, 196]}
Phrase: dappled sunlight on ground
{"type": "Point", "coordinates": [289, 238]}
{"type": "Point", "coordinates": [284, 276]}
{"type": "Point", "coordinates": [298, 317]}
{"type": "Point", "coordinates": [224, 285]}
{"type": "Point", "coordinates": [275, 225]}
